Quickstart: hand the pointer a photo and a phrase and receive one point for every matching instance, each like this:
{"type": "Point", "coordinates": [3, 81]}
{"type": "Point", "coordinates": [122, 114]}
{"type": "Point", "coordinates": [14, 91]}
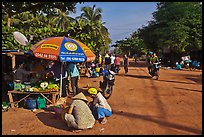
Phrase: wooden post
{"type": "Point", "coordinates": [53, 98]}
{"type": "Point", "coordinates": [11, 100]}
{"type": "Point", "coordinates": [13, 62]}
{"type": "Point", "coordinates": [46, 98]}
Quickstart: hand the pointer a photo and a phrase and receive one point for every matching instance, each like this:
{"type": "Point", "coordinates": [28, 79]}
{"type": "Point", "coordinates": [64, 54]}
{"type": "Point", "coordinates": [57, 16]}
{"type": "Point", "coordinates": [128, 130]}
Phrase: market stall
{"type": "Point", "coordinates": [10, 59]}
{"type": "Point", "coordinates": [60, 49]}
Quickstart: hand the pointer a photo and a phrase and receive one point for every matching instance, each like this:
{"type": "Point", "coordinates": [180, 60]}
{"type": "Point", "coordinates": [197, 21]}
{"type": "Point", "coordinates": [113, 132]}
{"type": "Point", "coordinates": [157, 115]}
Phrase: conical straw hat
{"type": "Point", "coordinates": [80, 96]}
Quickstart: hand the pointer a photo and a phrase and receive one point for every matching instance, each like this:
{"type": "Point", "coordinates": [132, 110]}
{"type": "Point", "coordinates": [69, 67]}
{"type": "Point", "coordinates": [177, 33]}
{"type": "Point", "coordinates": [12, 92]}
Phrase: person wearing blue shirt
{"type": "Point", "coordinates": [73, 74]}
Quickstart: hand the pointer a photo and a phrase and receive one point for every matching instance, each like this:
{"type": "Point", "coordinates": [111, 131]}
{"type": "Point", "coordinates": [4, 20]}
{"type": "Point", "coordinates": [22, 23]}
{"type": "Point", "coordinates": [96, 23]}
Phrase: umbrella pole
{"type": "Point", "coordinates": [61, 81]}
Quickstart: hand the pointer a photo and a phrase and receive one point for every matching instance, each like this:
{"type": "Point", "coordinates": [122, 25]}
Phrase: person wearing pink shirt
{"type": "Point", "coordinates": [117, 64]}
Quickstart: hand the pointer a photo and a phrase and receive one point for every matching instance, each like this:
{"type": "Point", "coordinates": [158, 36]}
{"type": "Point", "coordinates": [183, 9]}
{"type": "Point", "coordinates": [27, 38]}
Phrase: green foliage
{"type": "Point", "coordinates": [176, 25]}
{"type": "Point", "coordinates": [130, 45]}
{"type": "Point", "coordinates": [31, 19]}
{"type": "Point", "coordinates": [47, 19]}
{"type": "Point", "coordinates": [90, 30]}
{"type": "Point", "coordinates": [13, 8]}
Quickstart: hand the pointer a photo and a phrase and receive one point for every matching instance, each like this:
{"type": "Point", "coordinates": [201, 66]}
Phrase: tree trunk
{"type": "Point", "coordinates": [9, 22]}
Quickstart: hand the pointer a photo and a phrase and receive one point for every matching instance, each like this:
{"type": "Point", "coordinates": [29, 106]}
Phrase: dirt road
{"type": "Point", "coordinates": [140, 104]}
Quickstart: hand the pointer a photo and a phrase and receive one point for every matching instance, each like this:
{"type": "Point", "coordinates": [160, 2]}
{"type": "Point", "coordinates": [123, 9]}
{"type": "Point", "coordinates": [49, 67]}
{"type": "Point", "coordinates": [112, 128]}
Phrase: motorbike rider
{"type": "Point", "coordinates": [148, 60]}
{"type": "Point", "coordinates": [108, 76]}
{"type": "Point", "coordinates": [153, 59]}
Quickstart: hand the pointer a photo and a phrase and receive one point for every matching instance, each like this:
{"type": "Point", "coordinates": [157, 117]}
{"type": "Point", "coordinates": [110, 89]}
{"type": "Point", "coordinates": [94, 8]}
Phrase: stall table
{"type": "Point", "coordinates": [43, 93]}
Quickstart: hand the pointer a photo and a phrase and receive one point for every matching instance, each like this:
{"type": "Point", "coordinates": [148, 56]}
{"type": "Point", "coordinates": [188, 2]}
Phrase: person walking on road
{"type": "Point", "coordinates": [107, 61]}
{"type": "Point", "coordinates": [112, 67]}
{"type": "Point", "coordinates": [117, 64]}
{"type": "Point", "coordinates": [126, 63]}
{"type": "Point", "coordinates": [135, 57]}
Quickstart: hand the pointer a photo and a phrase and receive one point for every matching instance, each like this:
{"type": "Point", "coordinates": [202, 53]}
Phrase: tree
{"type": "Point", "coordinates": [93, 26]}
{"type": "Point", "coordinates": [62, 20]}
{"type": "Point", "coordinates": [175, 25]}
{"type": "Point", "coordinates": [42, 24]}
{"type": "Point", "coordinates": [179, 25]}
{"type": "Point", "coordinates": [130, 45]}
{"type": "Point", "coordinates": [13, 8]}
{"type": "Point", "coordinates": [30, 19]}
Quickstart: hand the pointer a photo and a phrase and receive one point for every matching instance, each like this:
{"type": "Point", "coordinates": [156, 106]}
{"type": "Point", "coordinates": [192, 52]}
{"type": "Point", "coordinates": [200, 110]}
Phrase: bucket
{"type": "Point", "coordinates": [41, 102]}
{"type": "Point", "coordinates": [30, 103]}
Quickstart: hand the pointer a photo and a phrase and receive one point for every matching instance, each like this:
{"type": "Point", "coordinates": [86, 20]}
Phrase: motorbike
{"type": "Point", "coordinates": [117, 69]}
{"type": "Point", "coordinates": [107, 84]}
{"type": "Point", "coordinates": [155, 70]}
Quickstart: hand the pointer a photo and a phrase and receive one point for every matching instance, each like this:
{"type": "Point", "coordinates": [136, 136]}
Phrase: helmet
{"type": "Point", "coordinates": [92, 91]}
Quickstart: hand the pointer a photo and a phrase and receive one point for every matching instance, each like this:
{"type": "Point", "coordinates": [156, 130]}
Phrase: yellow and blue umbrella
{"type": "Point", "coordinates": [63, 48]}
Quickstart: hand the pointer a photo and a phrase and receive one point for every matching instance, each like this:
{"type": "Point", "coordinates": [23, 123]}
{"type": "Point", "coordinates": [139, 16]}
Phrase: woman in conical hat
{"type": "Point", "coordinates": [79, 116]}
{"type": "Point", "coordinates": [80, 96]}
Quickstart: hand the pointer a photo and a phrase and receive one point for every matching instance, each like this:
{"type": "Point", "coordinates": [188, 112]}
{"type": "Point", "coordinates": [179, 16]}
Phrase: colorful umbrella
{"type": "Point", "coordinates": [66, 49]}
{"type": "Point", "coordinates": [62, 48]}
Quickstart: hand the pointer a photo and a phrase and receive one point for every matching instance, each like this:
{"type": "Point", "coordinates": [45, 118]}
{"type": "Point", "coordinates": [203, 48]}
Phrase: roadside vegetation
{"type": "Point", "coordinates": [175, 29]}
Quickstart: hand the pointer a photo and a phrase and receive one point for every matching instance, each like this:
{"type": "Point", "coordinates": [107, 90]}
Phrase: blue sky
{"type": "Point", "coordinates": [122, 18]}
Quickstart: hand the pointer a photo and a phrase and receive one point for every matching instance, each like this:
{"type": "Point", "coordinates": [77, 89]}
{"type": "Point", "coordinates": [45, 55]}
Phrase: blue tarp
{"type": "Point", "coordinates": [25, 52]}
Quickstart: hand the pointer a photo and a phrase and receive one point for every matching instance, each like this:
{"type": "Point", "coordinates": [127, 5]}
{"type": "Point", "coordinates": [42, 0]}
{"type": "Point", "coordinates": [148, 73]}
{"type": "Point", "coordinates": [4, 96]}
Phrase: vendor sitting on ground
{"type": "Point", "coordinates": [79, 115]}
{"type": "Point", "coordinates": [178, 66]}
{"type": "Point", "coordinates": [91, 73]}
{"type": "Point", "coordinates": [99, 107]}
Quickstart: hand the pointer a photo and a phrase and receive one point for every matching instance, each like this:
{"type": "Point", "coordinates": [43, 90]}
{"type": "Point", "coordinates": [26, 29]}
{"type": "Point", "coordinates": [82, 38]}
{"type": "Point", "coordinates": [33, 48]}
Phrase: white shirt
{"type": "Point", "coordinates": [112, 59]}
{"type": "Point", "coordinates": [100, 101]}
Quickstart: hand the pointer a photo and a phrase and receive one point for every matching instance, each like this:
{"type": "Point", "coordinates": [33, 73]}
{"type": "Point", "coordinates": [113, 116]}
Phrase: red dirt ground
{"type": "Point", "coordinates": [141, 105]}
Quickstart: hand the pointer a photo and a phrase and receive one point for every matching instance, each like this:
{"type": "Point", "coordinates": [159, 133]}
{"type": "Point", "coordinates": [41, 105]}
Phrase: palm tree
{"type": "Point", "coordinates": [92, 17]}
{"type": "Point", "coordinates": [62, 20]}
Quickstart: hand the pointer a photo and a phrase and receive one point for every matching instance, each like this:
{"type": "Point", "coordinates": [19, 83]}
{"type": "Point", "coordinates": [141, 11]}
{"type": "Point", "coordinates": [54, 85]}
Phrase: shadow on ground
{"type": "Point", "coordinates": [176, 81]}
{"type": "Point", "coordinates": [53, 121]}
{"type": "Point", "coordinates": [136, 64]}
{"type": "Point", "coordinates": [195, 79]}
{"type": "Point", "coordinates": [158, 121]}
{"type": "Point", "coordinates": [135, 76]}
{"type": "Point", "coordinates": [188, 89]}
